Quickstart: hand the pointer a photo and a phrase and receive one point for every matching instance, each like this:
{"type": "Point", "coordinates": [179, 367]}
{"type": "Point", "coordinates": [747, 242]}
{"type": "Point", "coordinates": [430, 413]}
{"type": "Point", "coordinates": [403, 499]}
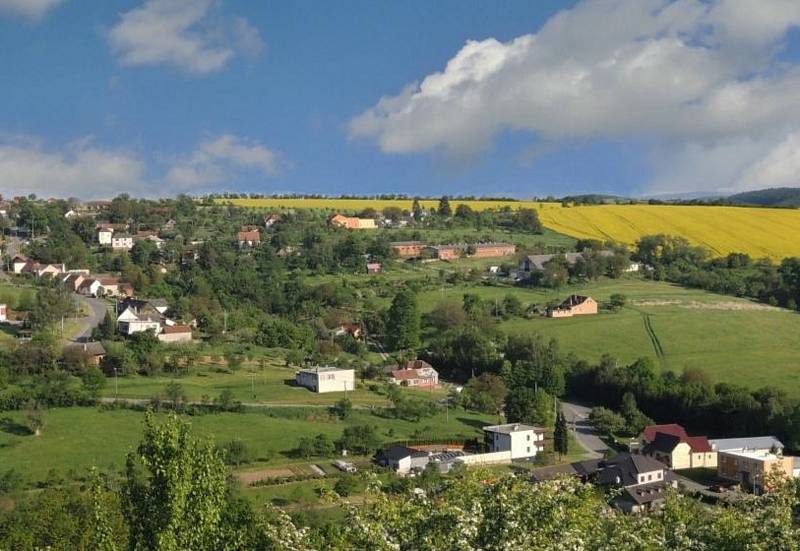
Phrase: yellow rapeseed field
{"type": "Point", "coordinates": [759, 232]}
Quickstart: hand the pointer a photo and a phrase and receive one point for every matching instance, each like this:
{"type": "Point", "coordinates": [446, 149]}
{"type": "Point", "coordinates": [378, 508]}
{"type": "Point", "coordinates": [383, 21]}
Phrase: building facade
{"type": "Point", "coordinates": [523, 441]}
{"type": "Point", "coordinates": [326, 379]}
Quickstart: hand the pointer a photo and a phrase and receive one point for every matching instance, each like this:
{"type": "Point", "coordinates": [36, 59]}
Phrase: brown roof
{"type": "Point", "coordinates": [415, 364]}
{"type": "Point", "coordinates": [253, 235]}
{"type": "Point", "coordinates": [172, 329]}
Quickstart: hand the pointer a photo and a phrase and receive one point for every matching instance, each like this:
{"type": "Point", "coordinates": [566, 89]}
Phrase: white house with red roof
{"type": "Point", "coordinates": [416, 373]}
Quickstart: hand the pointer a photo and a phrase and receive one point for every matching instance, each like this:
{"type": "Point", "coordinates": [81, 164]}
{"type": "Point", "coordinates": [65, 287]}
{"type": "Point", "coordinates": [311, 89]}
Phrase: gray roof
{"type": "Point", "coordinates": [747, 443]}
{"type": "Point", "coordinates": [511, 428]}
{"type": "Point", "coordinates": [397, 453]}
{"type": "Point", "coordinates": [646, 493]}
{"type": "Point", "coordinates": [624, 468]}
{"type": "Point", "coordinates": [88, 348]}
{"type": "Point", "coordinates": [538, 261]}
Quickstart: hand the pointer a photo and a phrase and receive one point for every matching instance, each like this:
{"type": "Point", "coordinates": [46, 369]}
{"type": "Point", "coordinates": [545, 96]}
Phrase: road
{"type": "Point", "coordinates": [586, 435]}
{"type": "Point", "coordinates": [97, 311]}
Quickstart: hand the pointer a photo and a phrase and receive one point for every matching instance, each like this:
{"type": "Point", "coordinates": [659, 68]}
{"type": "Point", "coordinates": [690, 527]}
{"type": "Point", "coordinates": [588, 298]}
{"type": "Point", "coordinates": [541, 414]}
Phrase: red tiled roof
{"type": "Point", "coordinates": [699, 443]}
{"type": "Point", "coordinates": [404, 374]}
{"type": "Point", "coordinates": [416, 364]}
{"type": "Point", "coordinates": [249, 235]}
{"type": "Point", "coordinates": [672, 428]}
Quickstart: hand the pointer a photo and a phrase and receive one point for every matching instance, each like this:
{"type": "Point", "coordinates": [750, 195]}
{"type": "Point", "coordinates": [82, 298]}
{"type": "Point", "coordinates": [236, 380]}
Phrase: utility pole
{"type": "Point", "coordinates": [116, 386]}
{"type": "Point", "coordinates": [253, 384]}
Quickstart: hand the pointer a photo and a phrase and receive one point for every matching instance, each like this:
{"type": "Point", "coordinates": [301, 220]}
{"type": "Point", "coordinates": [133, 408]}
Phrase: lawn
{"type": "Point", "coordinates": [734, 340]}
{"type": "Point", "coordinates": [74, 439]}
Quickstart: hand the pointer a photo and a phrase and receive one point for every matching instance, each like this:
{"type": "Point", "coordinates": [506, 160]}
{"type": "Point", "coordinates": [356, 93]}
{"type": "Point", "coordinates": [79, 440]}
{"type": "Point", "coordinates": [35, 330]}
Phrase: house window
{"type": "Point", "coordinates": [528, 437]}
{"type": "Point", "coordinates": [649, 477]}
{"type": "Point", "coordinates": [529, 449]}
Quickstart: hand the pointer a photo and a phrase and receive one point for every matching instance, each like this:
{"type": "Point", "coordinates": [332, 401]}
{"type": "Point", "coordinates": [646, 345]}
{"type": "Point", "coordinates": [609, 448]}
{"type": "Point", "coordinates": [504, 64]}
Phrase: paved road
{"type": "Point", "coordinates": [585, 434]}
{"type": "Point", "coordinates": [97, 311]}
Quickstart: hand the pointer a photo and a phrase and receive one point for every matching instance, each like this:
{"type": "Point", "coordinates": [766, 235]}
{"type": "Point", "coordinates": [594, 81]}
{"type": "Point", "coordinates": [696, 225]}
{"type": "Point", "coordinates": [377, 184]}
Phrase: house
{"type": "Point", "coordinates": [408, 249]}
{"type": "Point", "coordinates": [402, 460]}
{"type": "Point", "coordinates": [249, 238]}
{"type": "Point", "coordinates": [523, 441]}
{"type": "Point", "coordinates": [477, 250]}
{"type": "Point", "coordinates": [678, 451]}
{"type": "Point", "coordinates": [73, 280]}
{"type": "Point", "coordinates": [104, 235]}
{"type": "Point", "coordinates": [142, 315]}
{"type": "Point", "coordinates": [90, 287]}
{"type": "Point", "coordinates": [753, 468]}
{"type": "Point", "coordinates": [18, 263]}
{"type": "Point", "coordinates": [169, 225]}
{"type": "Point", "coordinates": [271, 219]}
{"type": "Point", "coordinates": [150, 236]}
{"type": "Point", "coordinates": [574, 305]}
{"type": "Point", "coordinates": [109, 285]}
{"type": "Point", "coordinates": [643, 481]}
{"type": "Point", "coordinates": [326, 379]}
{"type": "Point", "coordinates": [42, 270]}
{"type": "Point", "coordinates": [752, 443]}
{"type": "Point", "coordinates": [3, 312]}
{"type": "Point", "coordinates": [352, 223]}
{"type": "Point", "coordinates": [92, 352]}
{"type": "Point", "coordinates": [374, 268]}
{"type": "Point", "coordinates": [121, 242]}
{"type": "Point", "coordinates": [417, 374]}
{"type": "Point", "coordinates": [175, 333]}
{"type": "Point", "coordinates": [352, 329]}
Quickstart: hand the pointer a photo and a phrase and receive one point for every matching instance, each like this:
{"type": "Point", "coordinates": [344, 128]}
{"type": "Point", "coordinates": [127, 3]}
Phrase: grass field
{"type": "Point", "coordinates": [759, 232]}
{"type": "Point", "coordinates": [733, 340]}
{"type": "Point", "coordinates": [270, 385]}
{"type": "Point", "coordinates": [74, 439]}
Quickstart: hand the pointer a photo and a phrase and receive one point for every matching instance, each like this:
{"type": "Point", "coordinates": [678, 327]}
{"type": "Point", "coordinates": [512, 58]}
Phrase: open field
{"type": "Point", "coordinates": [759, 232]}
{"type": "Point", "coordinates": [251, 384]}
{"type": "Point", "coordinates": [78, 438]}
{"type": "Point", "coordinates": [733, 340]}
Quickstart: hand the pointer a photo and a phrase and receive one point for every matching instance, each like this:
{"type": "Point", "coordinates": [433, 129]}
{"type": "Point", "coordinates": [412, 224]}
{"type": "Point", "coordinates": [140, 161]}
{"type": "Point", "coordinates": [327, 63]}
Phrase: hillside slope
{"type": "Point", "coordinates": [773, 197]}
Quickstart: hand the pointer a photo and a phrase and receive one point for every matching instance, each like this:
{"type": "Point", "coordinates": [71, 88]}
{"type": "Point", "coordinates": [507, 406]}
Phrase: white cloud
{"type": "Point", "coordinates": [82, 169]}
{"type": "Point", "coordinates": [187, 34]}
{"type": "Point", "coordinates": [30, 9]}
{"type": "Point", "coordinates": [79, 170]}
{"type": "Point", "coordinates": [215, 161]}
{"type": "Point", "coordinates": [688, 75]}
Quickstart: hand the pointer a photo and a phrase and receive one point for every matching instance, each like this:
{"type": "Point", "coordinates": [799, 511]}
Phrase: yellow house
{"type": "Point", "coordinates": [672, 446]}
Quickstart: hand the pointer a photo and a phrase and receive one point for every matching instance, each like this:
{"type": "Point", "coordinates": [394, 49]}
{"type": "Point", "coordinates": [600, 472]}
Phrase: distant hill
{"type": "Point", "coordinates": [773, 197]}
{"type": "Point", "coordinates": [595, 199]}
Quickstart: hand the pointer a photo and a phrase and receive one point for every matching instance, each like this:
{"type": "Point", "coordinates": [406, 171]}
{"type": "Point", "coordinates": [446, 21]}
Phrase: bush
{"type": "Point", "coordinates": [346, 485]}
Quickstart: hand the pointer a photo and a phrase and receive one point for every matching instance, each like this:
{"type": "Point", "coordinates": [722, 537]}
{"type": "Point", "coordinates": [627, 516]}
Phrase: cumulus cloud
{"type": "Point", "coordinates": [77, 170]}
{"type": "Point", "coordinates": [30, 9]}
{"type": "Point", "coordinates": [187, 34]}
{"type": "Point", "coordinates": [216, 160]}
{"type": "Point", "coordinates": [689, 76]}
{"type": "Point", "coordinates": [82, 169]}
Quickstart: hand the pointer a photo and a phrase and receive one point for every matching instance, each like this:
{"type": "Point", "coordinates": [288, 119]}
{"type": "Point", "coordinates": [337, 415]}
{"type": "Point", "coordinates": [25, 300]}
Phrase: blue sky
{"type": "Point", "coordinates": [521, 98]}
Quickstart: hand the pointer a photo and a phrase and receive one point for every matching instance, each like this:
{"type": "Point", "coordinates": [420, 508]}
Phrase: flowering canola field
{"type": "Point", "coordinates": [759, 232]}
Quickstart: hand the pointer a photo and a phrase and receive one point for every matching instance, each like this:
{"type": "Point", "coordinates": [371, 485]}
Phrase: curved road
{"type": "Point", "coordinates": [586, 435]}
{"type": "Point", "coordinates": [97, 311]}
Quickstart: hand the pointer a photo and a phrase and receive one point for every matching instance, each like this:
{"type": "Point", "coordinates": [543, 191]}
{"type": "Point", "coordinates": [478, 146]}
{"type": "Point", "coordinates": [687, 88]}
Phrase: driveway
{"type": "Point", "coordinates": [97, 311]}
{"type": "Point", "coordinates": [586, 435]}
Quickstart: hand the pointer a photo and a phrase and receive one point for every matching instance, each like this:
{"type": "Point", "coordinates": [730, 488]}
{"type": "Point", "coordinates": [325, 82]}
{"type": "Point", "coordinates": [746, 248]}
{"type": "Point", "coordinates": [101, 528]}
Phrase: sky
{"type": "Point", "coordinates": [515, 98]}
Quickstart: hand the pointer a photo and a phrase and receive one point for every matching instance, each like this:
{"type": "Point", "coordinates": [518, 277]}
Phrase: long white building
{"type": "Point", "coordinates": [326, 379]}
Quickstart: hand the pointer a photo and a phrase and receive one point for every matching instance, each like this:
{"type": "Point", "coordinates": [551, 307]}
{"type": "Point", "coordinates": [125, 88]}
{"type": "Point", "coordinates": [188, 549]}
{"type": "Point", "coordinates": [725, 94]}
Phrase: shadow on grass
{"type": "Point", "coordinates": [10, 426]}
{"type": "Point", "coordinates": [477, 423]}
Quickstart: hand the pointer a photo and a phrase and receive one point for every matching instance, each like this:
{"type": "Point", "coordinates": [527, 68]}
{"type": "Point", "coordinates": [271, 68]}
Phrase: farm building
{"type": "Point", "coordinates": [175, 333]}
{"type": "Point", "coordinates": [575, 305]}
{"type": "Point", "coordinates": [353, 223]}
{"type": "Point", "coordinates": [408, 249]}
{"type": "Point", "coordinates": [478, 250]}
{"type": "Point", "coordinates": [3, 312]}
{"type": "Point", "coordinates": [326, 379]}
